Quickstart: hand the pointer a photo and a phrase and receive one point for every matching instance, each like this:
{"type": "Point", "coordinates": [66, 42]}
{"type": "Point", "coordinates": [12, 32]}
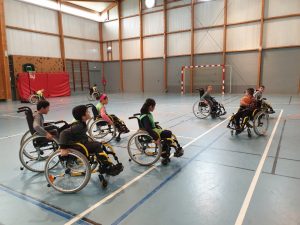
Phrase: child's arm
{"type": "Point", "coordinates": [38, 127]}
{"type": "Point", "coordinates": [105, 116]}
{"type": "Point", "coordinates": [147, 126]}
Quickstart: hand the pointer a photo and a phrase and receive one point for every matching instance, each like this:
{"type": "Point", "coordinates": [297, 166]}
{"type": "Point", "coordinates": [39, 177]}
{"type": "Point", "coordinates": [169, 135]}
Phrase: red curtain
{"type": "Point", "coordinates": [54, 84]}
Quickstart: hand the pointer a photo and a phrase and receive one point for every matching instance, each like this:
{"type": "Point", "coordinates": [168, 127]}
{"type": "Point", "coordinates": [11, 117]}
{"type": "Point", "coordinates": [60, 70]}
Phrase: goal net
{"type": "Point", "coordinates": [203, 75]}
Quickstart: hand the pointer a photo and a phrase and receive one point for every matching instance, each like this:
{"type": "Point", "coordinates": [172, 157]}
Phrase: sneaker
{"type": "Point", "coordinates": [114, 170]}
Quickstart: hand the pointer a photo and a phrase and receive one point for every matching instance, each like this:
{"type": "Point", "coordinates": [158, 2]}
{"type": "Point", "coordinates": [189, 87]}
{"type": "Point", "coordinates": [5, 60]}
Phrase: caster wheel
{"type": "Point", "coordinates": [129, 160]}
{"type": "Point", "coordinates": [21, 168]}
{"type": "Point", "coordinates": [118, 139]}
{"type": "Point", "coordinates": [48, 185]}
{"type": "Point", "coordinates": [165, 161]}
{"type": "Point", "coordinates": [104, 183]}
{"type": "Point", "coordinates": [231, 132]}
{"type": "Point", "coordinates": [249, 133]}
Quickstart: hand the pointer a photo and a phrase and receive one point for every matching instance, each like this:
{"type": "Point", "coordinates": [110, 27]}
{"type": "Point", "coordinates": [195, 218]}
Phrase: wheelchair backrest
{"type": "Point", "coordinates": [94, 109]}
{"type": "Point", "coordinates": [201, 92]}
{"type": "Point", "coordinates": [137, 116]}
{"type": "Point", "coordinates": [29, 117]}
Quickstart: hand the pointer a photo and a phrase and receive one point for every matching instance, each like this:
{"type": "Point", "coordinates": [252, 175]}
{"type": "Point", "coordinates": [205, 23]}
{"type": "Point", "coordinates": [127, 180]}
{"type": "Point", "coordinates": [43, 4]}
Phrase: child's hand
{"type": "Point", "coordinates": [157, 141]}
{"type": "Point", "coordinates": [49, 136]}
{"type": "Point", "coordinates": [64, 152]}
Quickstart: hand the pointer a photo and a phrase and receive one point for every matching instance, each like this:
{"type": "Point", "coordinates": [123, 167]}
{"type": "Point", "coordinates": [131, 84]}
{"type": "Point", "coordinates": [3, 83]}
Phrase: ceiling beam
{"type": "Point", "coordinates": [109, 7]}
{"type": "Point", "coordinates": [89, 0]}
{"type": "Point", "coordinates": [79, 7]}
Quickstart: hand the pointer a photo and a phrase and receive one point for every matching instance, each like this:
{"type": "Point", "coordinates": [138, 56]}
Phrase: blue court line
{"type": "Point", "coordinates": [42, 205]}
{"type": "Point", "coordinates": [157, 188]}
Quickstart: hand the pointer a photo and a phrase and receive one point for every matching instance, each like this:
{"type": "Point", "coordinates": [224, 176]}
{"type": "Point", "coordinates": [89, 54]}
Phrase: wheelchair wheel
{"type": "Point", "coordinates": [101, 131]}
{"type": "Point", "coordinates": [71, 174]}
{"type": "Point", "coordinates": [24, 137]}
{"type": "Point", "coordinates": [142, 149]}
{"type": "Point", "coordinates": [33, 99]}
{"type": "Point", "coordinates": [261, 123]}
{"type": "Point", "coordinates": [201, 109]}
{"type": "Point", "coordinates": [34, 151]}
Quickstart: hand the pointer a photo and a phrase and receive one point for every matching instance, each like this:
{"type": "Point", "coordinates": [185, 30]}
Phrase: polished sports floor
{"type": "Point", "coordinates": [220, 180]}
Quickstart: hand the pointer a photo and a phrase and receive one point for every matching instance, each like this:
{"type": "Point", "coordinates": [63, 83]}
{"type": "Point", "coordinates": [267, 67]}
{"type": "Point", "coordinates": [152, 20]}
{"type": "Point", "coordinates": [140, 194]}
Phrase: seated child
{"type": "Point", "coordinates": [154, 131]}
{"type": "Point", "coordinates": [77, 133]}
{"type": "Point", "coordinates": [212, 102]}
{"type": "Point", "coordinates": [258, 95]}
{"type": "Point", "coordinates": [94, 89]}
{"type": "Point", "coordinates": [50, 131]}
{"type": "Point", "coordinates": [247, 104]}
{"type": "Point", "coordinates": [40, 93]}
{"type": "Point", "coordinates": [110, 119]}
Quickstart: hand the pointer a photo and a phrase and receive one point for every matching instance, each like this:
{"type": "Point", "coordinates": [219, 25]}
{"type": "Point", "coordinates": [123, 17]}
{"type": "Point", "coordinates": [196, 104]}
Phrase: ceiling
{"type": "Point", "coordinates": [99, 6]}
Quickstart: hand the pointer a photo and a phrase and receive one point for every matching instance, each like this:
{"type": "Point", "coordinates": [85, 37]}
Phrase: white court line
{"type": "Point", "coordinates": [184, 137]}
{"type": "Point", "coordinates": [93, 207]}
{"type": "Point", "coordinates": [14, 135]}
{"type": "Point", "coordinates": [19, 117]}
{"type": "Point", "coordinates": [242, 213]}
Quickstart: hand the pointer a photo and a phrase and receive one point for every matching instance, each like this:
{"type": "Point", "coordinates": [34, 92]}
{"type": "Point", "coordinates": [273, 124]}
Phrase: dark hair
{"type": "Point", "coordinates": [79, 111]}
{"type": "Point", "coordinates": [145, 108]}
{"type": "Point", "coordinates": [262, 86]}
{"type": "Point", "coordinates": [42, 104]}
{"type": "Point", "coordinates": [250, 91]}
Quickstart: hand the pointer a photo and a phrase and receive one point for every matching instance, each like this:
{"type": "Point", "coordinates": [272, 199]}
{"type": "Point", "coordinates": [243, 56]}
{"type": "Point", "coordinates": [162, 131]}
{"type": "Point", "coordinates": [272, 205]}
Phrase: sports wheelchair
{"type": "Point", "coordinates": [99, 129]}
{"type": "Point", "coordinates": [35, 149]}
{"type": "Point", "coordinates": [203, 108]}
{"type": "Point", "coordinates": [258, 120]}
{"type": "Point", "coordinates": [35, 98]}
{"type": "Point", "coordinates": [93, 95]}
{"type": "Point", "coordinates": [144, 151]}
{"type": "Point", "coordinates": [71, 173]}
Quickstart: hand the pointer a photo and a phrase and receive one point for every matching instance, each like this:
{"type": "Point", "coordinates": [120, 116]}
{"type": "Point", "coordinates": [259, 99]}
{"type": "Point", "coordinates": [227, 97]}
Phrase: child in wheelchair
{"type": "Point", "coordinates": [217, 109]}
{"type": "Point", "coordinates": [94, 89]}
{"type": "Point", "coordinates": [76, 133]}
{"type": "Point", "coordinates": [258, 96]}
{"type": "Point", "coordinates": [111, 119]}
{"type": "Point", "coordinates": [247, 106]}
{"type": "Point", "coordinates": [159, 135]}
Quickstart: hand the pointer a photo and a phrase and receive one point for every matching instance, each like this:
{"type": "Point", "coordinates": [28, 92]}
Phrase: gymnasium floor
{"type": "Point", "coordinates": [208, 185]}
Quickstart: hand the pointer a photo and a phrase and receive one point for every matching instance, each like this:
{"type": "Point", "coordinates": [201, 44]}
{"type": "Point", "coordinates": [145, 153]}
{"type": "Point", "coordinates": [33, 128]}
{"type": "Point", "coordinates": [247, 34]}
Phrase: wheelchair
{"type": "Point", "coordinates": [258, 121]}
{"type": "Point", "coordinates": [71, 173]}
{"type": "Point", "coordinates": [144, 151]}
{"type": "Point", "coordinates": [35, 149]}
{"type": "Point", "coordinates": [202, 108]}
{"type": "Point", "coordinates": [99, 129]}
{"type": "Point", "coordinates": [93, 95]}
{"type": "Point", "coordinates": [35, 98]}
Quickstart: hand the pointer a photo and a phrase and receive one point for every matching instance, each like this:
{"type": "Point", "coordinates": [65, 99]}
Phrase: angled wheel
{"type": "Point", "coordinates": [71, 174]}
{"type": "Point", "coordinates": [101, 131]}
{"type": "Point", "coordinates": [261, 123]}
{"type": "Point", "coordinates": [34, 152]}
{"type": "Point", "coordinates": [201, 109]}
{"type": "Point", "coordinates": [142, 149]}
{"type": "Point", "coordinates": [24, 137]}
{"type": "Point", "coordinates": [33, 99]}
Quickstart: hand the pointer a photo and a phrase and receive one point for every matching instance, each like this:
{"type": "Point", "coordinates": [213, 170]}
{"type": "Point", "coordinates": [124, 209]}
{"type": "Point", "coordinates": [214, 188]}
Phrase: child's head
{"type": "Point", "coordinates": [43, 106]}
{"type": "Point", "coordinates": [209, 88]}
{"type": "Point", "coordinates": [81, 113]}
{"type": "Point", "coordinates": [148, 106]}
{"type": "Point", "coordinates": [261, 88]}
{"type": "Point", "coordinates": [250, 91]}
{"type": "Point", "coordinates": [103, 99]}
{"type": "Point", "coordinates": [95, 85]}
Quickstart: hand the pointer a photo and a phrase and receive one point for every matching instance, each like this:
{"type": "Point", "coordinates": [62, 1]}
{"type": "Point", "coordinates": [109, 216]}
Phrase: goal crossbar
{"type": "Point", "coordinates": [183, 68]}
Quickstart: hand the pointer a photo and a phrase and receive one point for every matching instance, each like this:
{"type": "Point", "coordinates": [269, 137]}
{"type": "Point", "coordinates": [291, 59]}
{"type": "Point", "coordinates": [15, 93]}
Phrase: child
{"type": "Point", "coordinates": [93, 89]}
{"type": "Point", "coordinates": [111, 119]}
{"type": "Point", "coordinates": [258, 95]}
{"type": "Point", "coordinates": [77, 133]}
{"type": "Point", "coordinates": [212, 102]}
{"type": "Point", "coordinates": [247, 103]}
{"type": "Point", "coordinates": [40, 93]}
{"type": "Point", "coordinates": [49, 131]}
{"type": "Point", "coordinates": [43, 107]}
{"type": "Point", "coordinates": [155, 132]}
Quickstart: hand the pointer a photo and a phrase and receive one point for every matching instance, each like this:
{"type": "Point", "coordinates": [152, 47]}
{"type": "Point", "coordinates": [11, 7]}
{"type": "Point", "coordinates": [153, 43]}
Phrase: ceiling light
{"type": "Point", "coordinates": [150, 3]}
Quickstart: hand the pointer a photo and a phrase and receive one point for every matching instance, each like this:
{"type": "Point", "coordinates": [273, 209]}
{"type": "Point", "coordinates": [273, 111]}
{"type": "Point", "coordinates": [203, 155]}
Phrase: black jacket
{"type": "Point", "coordinates": [75, 133]}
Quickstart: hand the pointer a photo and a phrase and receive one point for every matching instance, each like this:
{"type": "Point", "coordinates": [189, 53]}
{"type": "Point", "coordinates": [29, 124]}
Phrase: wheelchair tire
{"type": "Point", "coordinates": [24, 137]}
{"type": "Point", "coordinates": [75, 166]}
{"type": "Point", "coordinates": [34, 158]}
{"type": "Point", "coordinates": [34, 99]}
{"type": "Point", "coordinates": [201, 109]}
{"type": "Point", "coordinates": [261, 123]}
{"type": "Point", "coordinates": [101, 133]}
{"type": "Point", "coordinates": [138, 144]}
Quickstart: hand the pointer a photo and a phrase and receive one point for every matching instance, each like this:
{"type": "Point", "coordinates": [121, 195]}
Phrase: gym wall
{"type": "Point", "coordinates": [242, 45]}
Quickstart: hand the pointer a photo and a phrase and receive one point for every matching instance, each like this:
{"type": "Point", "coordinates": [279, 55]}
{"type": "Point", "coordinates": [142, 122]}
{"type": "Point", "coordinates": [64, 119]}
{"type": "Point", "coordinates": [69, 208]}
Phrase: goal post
{"type": "Point", "coordinates": [223, 69]}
